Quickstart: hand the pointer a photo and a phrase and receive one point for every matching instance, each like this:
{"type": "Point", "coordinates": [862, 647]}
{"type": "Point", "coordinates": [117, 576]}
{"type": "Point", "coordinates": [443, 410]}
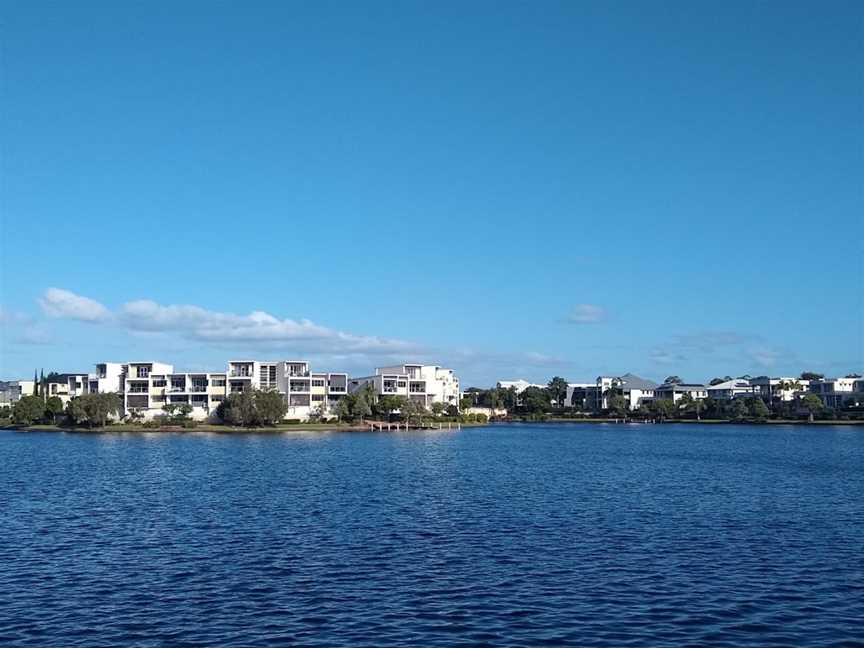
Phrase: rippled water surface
{"type": "Point", "coordinates": [507, 535]}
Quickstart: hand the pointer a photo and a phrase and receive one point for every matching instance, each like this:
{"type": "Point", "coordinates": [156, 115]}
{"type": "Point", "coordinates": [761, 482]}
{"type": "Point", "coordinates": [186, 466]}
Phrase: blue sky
{"type": "Point", "coordinates": [512, 189]}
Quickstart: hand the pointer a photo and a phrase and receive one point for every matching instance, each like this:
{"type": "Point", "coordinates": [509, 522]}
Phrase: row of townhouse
{"type": "Point", "coordinates": [147, 387]}
{"type": "Point", "coordinates": [834, 392]}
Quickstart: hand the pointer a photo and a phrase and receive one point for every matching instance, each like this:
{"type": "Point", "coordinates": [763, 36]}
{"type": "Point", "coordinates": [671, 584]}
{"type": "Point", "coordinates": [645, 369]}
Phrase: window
{"type": "Point", "coordinates": [317, 398]}
{"type": "Point", "coordinates": [159, 382]}
{"type": "Point", "coordinates": [401, 383]}
{"type": "Point", "coordinates": [218, 382]}
{"type": "Point", "coordinates": [317, 383]}
{"type": "Point", "coordinates": [158, 399]}
{"type": "Point", "coordinates": [217, 398]}
{"type": "Point", "coordinates": [142, 372]}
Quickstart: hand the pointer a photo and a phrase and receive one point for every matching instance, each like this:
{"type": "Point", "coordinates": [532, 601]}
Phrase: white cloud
{"type": "Point", "coordinates": [587, 314]}
{"type": "Point", "coordinates": [258, 328]}
{"type": "Point", "coordinates": [57, 302]}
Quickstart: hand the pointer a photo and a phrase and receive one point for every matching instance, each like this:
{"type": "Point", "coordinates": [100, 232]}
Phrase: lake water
{"type": "Point", "coordinates": [588, 535]}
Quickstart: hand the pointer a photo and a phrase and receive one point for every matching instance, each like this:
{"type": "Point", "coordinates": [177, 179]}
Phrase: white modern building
{"type": "Point", "coordinates": [425, 384]}
{"type": "Point", "coordinates": [12, 390]}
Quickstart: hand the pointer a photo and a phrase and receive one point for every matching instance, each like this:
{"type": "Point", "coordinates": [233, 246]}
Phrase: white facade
{"type": "Point", "coordinates": [12, 390]}
{"type": "Point", "coordinates": [425, 384]}
{"type": "Point", "coordinates": [836, 392]}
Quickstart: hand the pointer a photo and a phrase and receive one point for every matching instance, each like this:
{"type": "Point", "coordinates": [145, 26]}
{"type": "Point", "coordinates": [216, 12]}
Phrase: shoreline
{"type": "Point", "coordinates": [346, 427]}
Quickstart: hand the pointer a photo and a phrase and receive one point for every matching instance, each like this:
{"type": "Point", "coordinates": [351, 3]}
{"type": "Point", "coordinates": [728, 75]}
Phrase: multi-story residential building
{"type": "Point", "coordinates": [736, 388]}
{"type": "Point", "coordinates": [307, 392]}
{"type": "Point", "coordinates": [425, 384]}
{"type": "Point", "coordinates": [676, 391]}
{"type": "Point", "coordinates": [582, 396]}
{"type": "Point", "coordinates": [835, 392]}
{"type": "Point", "coordinates": [782, 389]}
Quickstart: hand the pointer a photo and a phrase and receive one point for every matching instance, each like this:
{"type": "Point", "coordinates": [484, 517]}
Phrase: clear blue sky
{"type": "Point", "coordinates": [512, 189]}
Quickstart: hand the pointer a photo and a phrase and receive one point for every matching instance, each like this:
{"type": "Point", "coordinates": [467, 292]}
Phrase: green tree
{"type": "Point", "coordinates": [811, 375]}
{"type": "Point", "coordinates": [717, 381]}
{"type": "Point", "coordinates": [534, 400]}
{"type": "Point", "coordinates": [664, 408]}
{"type": "Point", "coordinates": [238, 409]}
{"type": "Point", "coordinates": [673, 380]}
{"type": "Point", "coordinates": [28, 409]}
{"type": "Point", "coordinates": [344, 408]}
{"type": "Point", "coordinates": [413, 409]}
{"type": "Point", "coordinates": [387, 404]}
{"type": "Point", "coordinates": [452, 410]}
{"type": "Point", "coordinates": [618, 405]}
{"type": "Point", "coordinates": [35, 383]}
{"type": "Point", "coordinates": [75, 411]}
{"type": "Point", "coordinates": [557, 389]}
{"type": "Point", "coordinates": [99, 407]}
{"type": "Point", "coordinates": [53, 407]}
{"type": "Point", "coordinates": [738, 409]}
{"type": "Point", "coordinates": [43, 384]}
{"type": "Point", "coordinates": [466, 403]}
{"type": "Point", "coordinates": [270, 406]}
{"type": "Point", "coordinates": [437, 409]}
{"type": "Point", "coordinates": [758, 408]}
{"type": "Point", "coordinates": [811, 403]}
{"type": "Point", "coordinates": [363, 399]}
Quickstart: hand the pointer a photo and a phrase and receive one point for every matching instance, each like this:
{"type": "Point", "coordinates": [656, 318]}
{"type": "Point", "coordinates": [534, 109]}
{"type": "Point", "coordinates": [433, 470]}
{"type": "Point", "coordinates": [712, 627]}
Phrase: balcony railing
{"type": "Point", "coordinates": [240, 373]}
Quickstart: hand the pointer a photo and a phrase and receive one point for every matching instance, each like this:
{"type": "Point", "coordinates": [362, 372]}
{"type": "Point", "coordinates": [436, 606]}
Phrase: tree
{"type": "Point", "coordinates": [717, 381]}
{"type": "Point", "coordinates": [238, 409]}
{"type": "Point", "coordinates": [557, 389]}
{"type": "Point", "coordinates": [28, 409]}
{"type": "Point", "coordinates": [363, 399]}
{"type": "Point", "coordinates": [413, 408]}
{"type": "Point", "coordinates": [43, 384]}
{"type": "Point", "coordinates": [35, 383]}
{"type": "Point", "coordinates": [344, 407]}
{"type": "Point", "coordinates": [758, 408]}
{"type": "Point", "coordinates": [852, 375]}
{"type": "Point", "coordinates": [811, 403]}
{"type": "Point", "coordinates": [75, 411]}
{"type": "Point", "coordinates": [437, 409]}
{"type": "Point", "coordinates": [466, 403]}
{"type": "Point", "coordinates": [663, 408]}
{"type": "Point", "coordinates": [452, 410]}
{"type": "Point", "coordinates": [177, 413]}
{"type": "Point", "coordinates": [738, 409]}
{"type": "Point", "coordinates": [534, 400]}
{"type": "Point", "coordinates": [53, 407]}
{"type": "Point", "coordinates": [673, 380]}
{"type": "Point", "coordinates": [811, 375]}
{"type": "Point", "coordinates": [270, 406]}
{"type": "Point", "coordinates": [618, 405]}
{"type": "Point", "coordinates": [387, 404]}
{"type": "Point", "coordinates": [689, 405]}
{"type": "Point", "coordinates": [98, 407]}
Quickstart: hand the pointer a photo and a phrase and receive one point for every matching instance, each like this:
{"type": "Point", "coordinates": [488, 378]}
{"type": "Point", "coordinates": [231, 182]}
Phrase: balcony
{"type": "Point", "coordinates": [198, 388]}
{"type": "Point", "coordinates": [240, 373]}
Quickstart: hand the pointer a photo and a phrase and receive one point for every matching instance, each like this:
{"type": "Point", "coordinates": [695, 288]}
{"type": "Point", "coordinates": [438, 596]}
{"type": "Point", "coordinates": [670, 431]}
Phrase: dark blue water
{"type": "Point", "coordinates": [509, 535]}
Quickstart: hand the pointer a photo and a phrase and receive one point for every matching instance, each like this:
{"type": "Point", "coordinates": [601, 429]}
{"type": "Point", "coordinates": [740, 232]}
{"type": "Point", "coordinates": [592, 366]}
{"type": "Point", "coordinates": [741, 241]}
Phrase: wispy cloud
{"type": "Point", "coordinates": [587, 314]}
{"type": "Point", "coordinates": [191, 322]}
{"type": "Point", "coordinates": [56, 302]}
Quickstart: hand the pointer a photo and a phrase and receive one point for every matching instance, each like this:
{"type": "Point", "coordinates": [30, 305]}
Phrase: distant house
{"type": "Point", "coordinates": [737, 388]}
{"type": "Point", "coordinates": [595, 396]}
{"type": "Point", "coordinates": [676, 391]}
{"type": "Point", "coordinates": [779, 389]}
{"type": "Point", "coordinates": [12, 390]}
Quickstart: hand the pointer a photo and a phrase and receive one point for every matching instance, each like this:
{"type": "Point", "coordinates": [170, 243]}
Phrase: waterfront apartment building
{"type": "Point", "coordinates": [307, 392]}
{"type": "Point", "coordinates": [425, 384]}
{"type": "Point", "coordinates": [517, 385]}
{"type": "Point", "coordinates": [147, 387]}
